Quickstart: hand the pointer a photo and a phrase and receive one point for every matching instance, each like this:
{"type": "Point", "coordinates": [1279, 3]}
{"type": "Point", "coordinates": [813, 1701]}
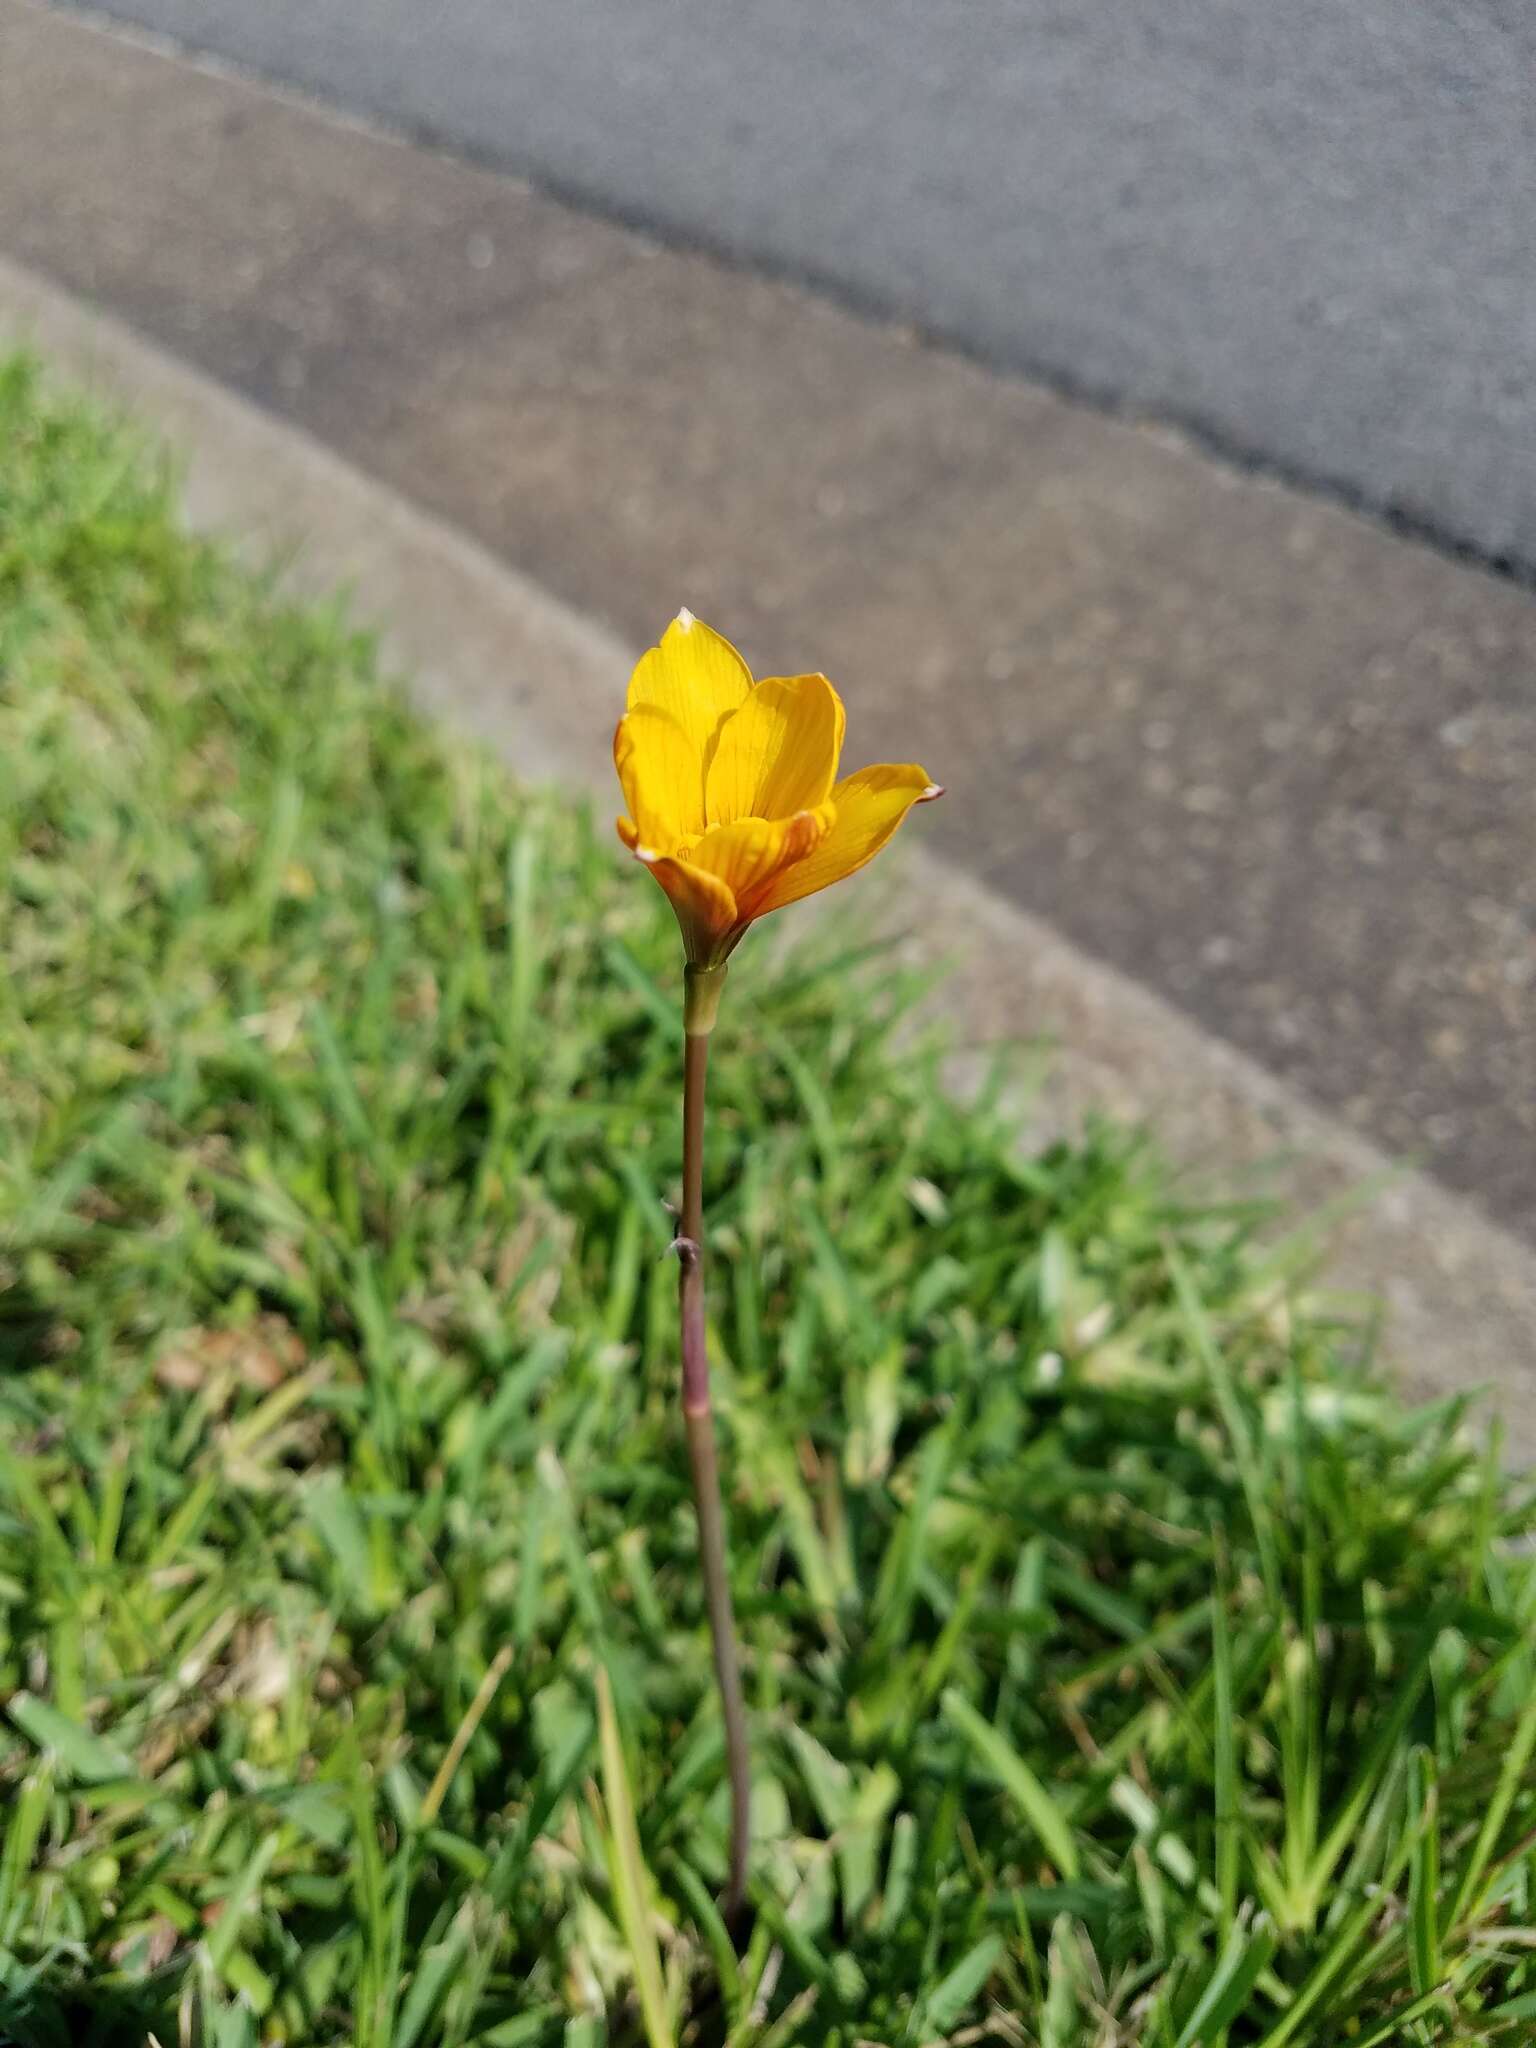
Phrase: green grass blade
{"type": "Point", "coordinates": [631, 1882]}
{"type": "Point", "coordinates": [1511, 1778]}
{"type": "Point", "coordinates": [1424, 1872]}
{"type": "Point", "coordinates": [1007, 1768]}
{"type": "Point", "coordinates": [1229, 1988]}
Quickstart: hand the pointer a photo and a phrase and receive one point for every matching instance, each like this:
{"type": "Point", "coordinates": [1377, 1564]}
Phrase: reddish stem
{"type": "Point", "coordinates": [699, 1423]}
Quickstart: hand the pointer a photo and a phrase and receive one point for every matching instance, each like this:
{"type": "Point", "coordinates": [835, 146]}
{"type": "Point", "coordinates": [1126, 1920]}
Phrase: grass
{"type": "Point", "coordinates": [1126, 1664]}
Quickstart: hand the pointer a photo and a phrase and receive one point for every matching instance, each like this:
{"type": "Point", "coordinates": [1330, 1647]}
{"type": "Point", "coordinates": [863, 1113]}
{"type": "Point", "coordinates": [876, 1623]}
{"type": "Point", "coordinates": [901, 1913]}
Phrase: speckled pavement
{"type": "Point", "coordinates": [1266, 759]}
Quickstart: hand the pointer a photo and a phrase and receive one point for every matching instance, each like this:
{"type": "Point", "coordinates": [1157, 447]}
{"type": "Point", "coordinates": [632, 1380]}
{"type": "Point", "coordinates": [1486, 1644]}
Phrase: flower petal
{"type": "Point", "coordinates": [778, 753]}
{"type": "Point", "coordinates": [705, 906]}
{"type": "Point", "coordinates": [662, 775]}
{"type": "Point", "coordinates": [748, 855]}
{"type": "Point", "coordinates": [870, 805]}
{"type": "Point", "coordinates": [695, 677]}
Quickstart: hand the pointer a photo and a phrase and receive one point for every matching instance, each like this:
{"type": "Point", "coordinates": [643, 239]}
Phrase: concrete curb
{"type": "Point", "coordinates": [499, 657]}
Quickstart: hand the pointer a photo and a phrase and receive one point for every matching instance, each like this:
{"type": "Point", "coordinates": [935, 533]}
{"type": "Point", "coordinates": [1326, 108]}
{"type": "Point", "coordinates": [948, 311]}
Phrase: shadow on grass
{"type": "Point", "coordinates": [28, 1332]}
{"type": "Point", "coordinates": [55, 2010]}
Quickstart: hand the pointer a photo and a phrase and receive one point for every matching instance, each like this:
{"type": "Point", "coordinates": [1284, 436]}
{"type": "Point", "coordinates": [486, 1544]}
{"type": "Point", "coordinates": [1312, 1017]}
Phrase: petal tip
{"type": "Point", "coordinates": [685, 620]}
{"type": "Point", "coordinates": [934, 789]}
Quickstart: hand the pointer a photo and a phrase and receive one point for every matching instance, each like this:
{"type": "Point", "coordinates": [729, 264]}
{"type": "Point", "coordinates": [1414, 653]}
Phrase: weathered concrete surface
{"type": "Point", "coordinates": [1304, 226]}
{"type": "Point", "coordinates": [1251, 751]}
{"type": "Point", "coordinates": [491, 651]}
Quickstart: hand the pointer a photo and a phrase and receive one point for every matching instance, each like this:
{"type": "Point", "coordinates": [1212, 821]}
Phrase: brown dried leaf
{"type": "Point", "coordinates": [259, 1355]}
{"type": "Point", "coordinates": [159, 1936]}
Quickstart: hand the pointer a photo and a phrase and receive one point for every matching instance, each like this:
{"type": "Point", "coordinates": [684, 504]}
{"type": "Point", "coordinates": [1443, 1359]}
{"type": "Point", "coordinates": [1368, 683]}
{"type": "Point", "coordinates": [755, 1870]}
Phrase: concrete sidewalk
{"type": "Point", "coordinates": [629, 428]}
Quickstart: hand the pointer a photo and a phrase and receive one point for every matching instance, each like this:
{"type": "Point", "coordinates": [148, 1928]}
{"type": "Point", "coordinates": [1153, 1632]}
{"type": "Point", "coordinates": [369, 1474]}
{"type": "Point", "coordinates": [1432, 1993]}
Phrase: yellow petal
{"type": "Point", "coordinates": [662, 776]}
{"type": "Point", "coordinates": [748, 855]}
{"type": "Point", "coordinates": [705, 906]}
{"type": "Point", "coordinates": [694, 676]}
{"type": "Point", "coordinates": [869, 805]}
{"type": "Point", "coordinates": [778, 753]}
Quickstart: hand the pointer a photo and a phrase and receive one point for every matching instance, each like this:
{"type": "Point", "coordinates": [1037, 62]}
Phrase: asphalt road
{"type": "Point", "coordinates": [1304, 230]}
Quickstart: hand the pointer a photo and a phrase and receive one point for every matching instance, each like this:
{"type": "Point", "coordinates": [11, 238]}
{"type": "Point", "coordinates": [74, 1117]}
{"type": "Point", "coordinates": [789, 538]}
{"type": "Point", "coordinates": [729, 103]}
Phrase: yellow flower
{"type": "Point", "coordinates": [731, 785]}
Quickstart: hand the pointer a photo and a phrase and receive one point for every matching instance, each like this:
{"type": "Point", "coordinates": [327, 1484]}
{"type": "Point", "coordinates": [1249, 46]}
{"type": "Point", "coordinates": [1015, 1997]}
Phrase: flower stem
{"type": "Point", "coordinates": [702, 1000]}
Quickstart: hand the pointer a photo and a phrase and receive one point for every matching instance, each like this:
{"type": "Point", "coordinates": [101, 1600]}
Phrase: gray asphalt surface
{"type": "Point", "coordinates": [1305, 230]}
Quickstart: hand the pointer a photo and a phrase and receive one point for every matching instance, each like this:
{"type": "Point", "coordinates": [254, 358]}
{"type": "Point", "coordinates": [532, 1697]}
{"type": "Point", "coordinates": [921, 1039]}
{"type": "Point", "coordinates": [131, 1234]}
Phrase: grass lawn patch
{"type": "Point", "coordinates": [1126, 1665]}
